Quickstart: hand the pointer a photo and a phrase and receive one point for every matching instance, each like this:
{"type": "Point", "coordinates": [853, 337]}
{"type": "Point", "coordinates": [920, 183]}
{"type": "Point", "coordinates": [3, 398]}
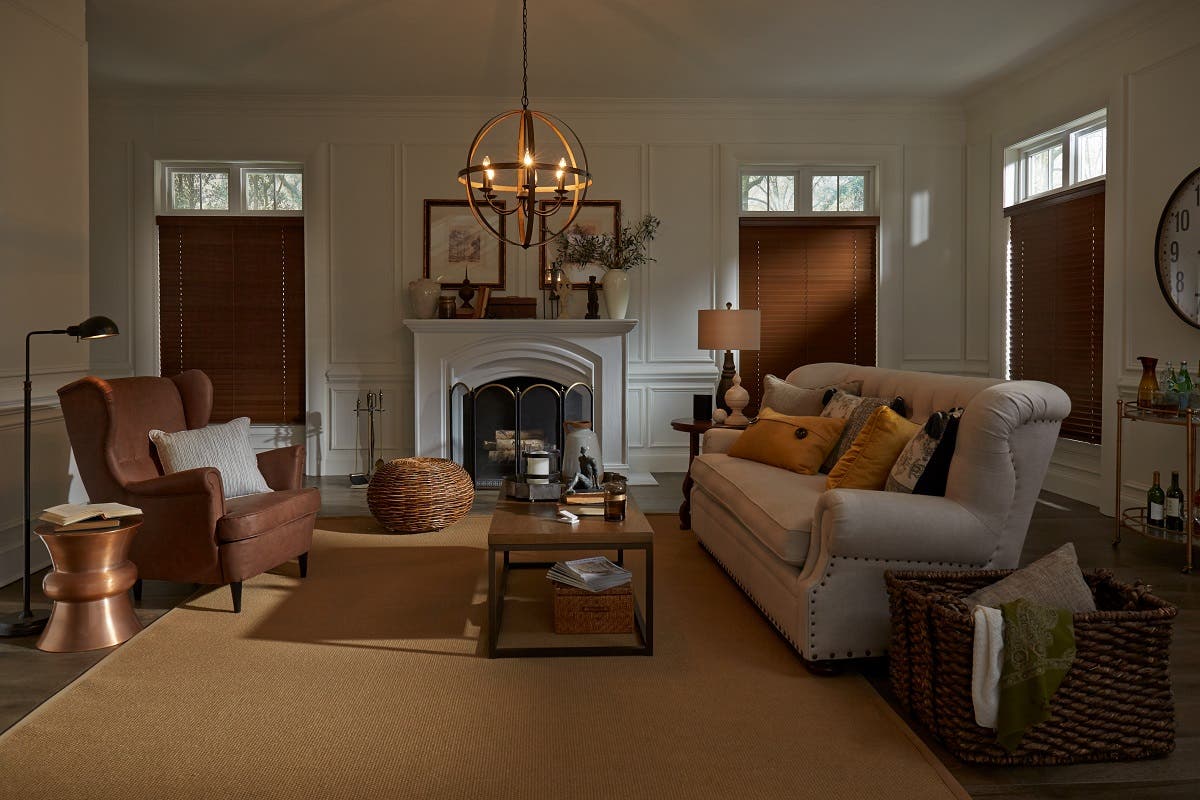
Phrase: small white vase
{"type": "Point", "coordinates": [616, 293]}
{"type": "Point", "coordinates": [424, 294]}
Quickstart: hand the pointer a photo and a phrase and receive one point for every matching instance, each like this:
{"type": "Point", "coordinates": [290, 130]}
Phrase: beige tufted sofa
{"type": "Point", "coordinates": [813, 560]}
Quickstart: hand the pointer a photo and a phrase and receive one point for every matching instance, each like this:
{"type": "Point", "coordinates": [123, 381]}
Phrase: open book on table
{"type": "Point", "coordinates": [70, 513]}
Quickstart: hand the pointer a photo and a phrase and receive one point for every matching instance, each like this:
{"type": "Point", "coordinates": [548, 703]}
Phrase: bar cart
{"type": "Point", "coordinates": [1134, 519]}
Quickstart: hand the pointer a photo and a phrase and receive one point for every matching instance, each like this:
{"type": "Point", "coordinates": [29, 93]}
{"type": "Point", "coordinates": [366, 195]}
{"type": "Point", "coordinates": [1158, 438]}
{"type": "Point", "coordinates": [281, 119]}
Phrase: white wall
{"type": "Point", "coordinates": [1142, 67]}
{"type": "Point", "coordinates": [370, 163]}
{"type": "Point", "coordinates": [43, 245]}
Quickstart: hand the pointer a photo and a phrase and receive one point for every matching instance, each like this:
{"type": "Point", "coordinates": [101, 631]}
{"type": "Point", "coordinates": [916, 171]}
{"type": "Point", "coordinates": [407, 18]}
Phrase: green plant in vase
{"type": "Point", "coordinates": [616, 252]}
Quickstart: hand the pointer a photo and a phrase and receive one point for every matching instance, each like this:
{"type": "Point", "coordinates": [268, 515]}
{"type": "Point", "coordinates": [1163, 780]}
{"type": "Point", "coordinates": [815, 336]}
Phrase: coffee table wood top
{"type": "Point", "coordinates": [520, 522]}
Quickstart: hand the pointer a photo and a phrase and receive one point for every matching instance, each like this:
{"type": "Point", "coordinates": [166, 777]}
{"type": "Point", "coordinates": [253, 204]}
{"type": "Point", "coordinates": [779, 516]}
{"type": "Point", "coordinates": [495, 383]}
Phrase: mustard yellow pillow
{"type": "Point", "coordinates": [799, 444]}
{"type": "Point", "coordinates": [869, 460]}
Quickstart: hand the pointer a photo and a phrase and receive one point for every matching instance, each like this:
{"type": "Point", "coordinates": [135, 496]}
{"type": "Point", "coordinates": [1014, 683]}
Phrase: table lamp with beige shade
{"type": "Point", "coordinates": [730, 329]}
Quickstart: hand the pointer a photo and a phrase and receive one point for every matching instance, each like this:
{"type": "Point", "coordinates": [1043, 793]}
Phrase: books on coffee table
{"type": "Point", "coordinates": [593, 574]}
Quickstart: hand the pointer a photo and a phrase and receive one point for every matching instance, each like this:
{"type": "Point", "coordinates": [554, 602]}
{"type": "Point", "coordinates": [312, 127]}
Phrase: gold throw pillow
{"type": "Point", "coordinates": [799, 444]}
{"type": "Point", "coordinates": [870, 458]}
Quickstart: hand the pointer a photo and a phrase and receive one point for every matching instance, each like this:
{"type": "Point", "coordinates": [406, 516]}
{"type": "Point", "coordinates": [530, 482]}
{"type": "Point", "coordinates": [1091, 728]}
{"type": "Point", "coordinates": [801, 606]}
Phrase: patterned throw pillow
{"type": "Point", "coordinates": [924, 465]}
{"type": "Point", "coordinates": [796, 401]}
{"type": "Point", "coordinates": [856, 411]}
{"type": "Point", "coordinates": [225, 447]}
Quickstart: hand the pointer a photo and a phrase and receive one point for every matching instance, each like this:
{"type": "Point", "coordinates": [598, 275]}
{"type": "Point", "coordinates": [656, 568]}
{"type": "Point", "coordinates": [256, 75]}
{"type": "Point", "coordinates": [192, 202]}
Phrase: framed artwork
{"type": "Point", "coordinates": [595, 217]}
{"type": "Point", "coordinates": [457, 246]}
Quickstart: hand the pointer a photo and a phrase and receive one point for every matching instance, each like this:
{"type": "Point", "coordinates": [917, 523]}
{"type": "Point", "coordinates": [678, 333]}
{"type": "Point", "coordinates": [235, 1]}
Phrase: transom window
{"type": "Point", "coordinates": [1057, 160]}
{"type": "Point", "coordinates": [231, 189]}
{"type": "Point", "coordinates": [807, 191]}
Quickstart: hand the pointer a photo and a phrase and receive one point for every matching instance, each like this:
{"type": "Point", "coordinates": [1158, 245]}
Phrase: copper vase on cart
{"type": "Point", "coordinates": [1148, 385]}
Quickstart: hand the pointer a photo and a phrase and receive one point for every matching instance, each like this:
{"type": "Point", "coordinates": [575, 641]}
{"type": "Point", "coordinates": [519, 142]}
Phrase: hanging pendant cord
{"type": "Point", "coordinates": [524, 54]}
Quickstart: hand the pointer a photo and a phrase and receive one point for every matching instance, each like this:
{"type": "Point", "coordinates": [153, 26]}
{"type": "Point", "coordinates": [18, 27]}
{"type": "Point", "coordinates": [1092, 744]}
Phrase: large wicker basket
{"type": "Point", "coordinates": [1115, 704]}
{"type": "Point", "coordinates": [413, 495]}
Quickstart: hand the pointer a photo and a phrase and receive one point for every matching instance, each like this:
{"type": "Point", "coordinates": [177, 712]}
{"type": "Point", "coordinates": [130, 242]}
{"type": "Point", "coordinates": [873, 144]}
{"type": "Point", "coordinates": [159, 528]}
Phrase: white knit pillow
{"type": "Point", "coordinates": [225, 446]}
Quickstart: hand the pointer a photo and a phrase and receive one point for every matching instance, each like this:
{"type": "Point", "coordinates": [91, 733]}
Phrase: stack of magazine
{"type": "Point", "coordinates": [592, 574]}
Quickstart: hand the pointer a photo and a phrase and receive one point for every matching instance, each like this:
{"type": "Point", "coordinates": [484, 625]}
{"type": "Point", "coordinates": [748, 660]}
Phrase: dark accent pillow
{"type": "Point", "coordinates": [915, 471]}
{"type": "Point", "coordinates": [937, 471]}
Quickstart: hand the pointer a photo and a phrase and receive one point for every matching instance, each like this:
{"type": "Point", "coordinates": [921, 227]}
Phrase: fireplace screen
{"type": "Point", "coordinates": [495, 424]}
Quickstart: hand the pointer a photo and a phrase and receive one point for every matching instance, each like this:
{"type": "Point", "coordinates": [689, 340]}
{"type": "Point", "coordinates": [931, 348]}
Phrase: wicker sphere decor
{"type": "Point", "coordinates": [415, 495]}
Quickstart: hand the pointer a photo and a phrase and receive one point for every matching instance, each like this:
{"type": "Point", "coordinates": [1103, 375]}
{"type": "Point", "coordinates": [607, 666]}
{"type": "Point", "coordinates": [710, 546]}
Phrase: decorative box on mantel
{"type": "Point", "coordinates": [474, 352]}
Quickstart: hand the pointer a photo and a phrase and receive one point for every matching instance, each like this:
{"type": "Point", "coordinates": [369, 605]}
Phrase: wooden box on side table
{"type": "Point", "coordinates": [581, 611]}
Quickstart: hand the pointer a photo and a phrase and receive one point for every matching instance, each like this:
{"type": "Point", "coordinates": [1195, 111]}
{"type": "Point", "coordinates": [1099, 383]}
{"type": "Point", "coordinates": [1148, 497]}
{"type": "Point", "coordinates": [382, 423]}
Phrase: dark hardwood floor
{"type": "Point", "coordinates": [28, 676]}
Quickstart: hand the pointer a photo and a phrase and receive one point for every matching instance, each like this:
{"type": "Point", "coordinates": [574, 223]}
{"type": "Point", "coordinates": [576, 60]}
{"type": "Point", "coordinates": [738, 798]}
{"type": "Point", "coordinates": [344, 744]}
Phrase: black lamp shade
{"type": "Point", "coordinates": [97, 327]}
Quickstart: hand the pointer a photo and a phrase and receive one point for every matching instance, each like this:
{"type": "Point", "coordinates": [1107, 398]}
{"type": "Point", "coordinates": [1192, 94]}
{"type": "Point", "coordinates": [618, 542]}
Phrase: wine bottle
{"type": "Point", "coordinates": [1155, 500]}
{"type": "Point", "coordinates": [1173, 509]}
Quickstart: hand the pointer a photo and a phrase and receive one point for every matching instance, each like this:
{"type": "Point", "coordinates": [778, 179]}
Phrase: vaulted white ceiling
{"type": "Point", "coordinates": [579, 48]}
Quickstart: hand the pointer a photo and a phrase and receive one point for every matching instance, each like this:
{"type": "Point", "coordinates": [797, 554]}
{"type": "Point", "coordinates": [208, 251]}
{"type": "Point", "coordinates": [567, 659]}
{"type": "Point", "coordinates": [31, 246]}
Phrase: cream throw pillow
{"type": "Point", "coordinates": [796, 401]}
{"type": "Point", "coordinates": [225, 447]}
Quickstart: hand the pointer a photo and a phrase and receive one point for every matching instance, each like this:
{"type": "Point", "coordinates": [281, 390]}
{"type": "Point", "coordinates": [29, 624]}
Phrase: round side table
{"type": "Point", "coordinates": [694, 428]}
{"type": "Point", "coordinates": [90, 586]}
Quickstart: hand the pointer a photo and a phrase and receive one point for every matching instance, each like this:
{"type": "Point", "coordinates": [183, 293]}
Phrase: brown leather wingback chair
{"type": "Point", "coordinates": [190, 531]}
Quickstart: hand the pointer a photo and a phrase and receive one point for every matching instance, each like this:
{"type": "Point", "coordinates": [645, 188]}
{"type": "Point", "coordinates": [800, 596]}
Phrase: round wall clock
{"type": "Point", "coordinates": [1177, 250]}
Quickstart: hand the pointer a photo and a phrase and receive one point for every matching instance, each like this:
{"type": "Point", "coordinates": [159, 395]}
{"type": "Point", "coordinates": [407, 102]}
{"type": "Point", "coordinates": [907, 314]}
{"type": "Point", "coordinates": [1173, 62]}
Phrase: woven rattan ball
{"type": "Point", "coordinates": [413, 495]}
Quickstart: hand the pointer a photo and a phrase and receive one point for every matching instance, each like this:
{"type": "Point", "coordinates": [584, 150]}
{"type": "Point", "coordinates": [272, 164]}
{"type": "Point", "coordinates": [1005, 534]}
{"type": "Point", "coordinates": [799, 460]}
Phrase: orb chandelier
{"type": "Point", "coordinates": [522, 187]}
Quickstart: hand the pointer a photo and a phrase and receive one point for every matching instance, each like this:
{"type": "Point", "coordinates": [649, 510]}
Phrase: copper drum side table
{"type": "Point", "coordinates": [90, 586]}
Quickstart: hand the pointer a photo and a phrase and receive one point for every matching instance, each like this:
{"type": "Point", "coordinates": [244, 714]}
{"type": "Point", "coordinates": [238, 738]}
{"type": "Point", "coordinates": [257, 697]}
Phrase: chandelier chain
{"type": "Point", "coordinates": [524, 53]}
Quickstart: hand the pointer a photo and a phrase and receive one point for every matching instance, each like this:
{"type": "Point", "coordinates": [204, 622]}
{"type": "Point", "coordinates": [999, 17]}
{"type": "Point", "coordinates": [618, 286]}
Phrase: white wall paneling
{"type": "Point", "coordinates": [1133, 70]}
{"type": "Point", "coordinates": [370, 164]}
{"type": "Point", "coordinates": [43, 249]}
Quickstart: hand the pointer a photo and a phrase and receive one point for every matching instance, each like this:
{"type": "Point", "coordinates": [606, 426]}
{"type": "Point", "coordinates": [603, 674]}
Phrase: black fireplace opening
{"type": "Point", "coordinates": [496, 422]}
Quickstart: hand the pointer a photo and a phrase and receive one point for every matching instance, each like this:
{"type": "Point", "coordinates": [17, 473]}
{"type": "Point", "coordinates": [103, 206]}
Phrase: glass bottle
{"type": "Point", "coordinates": [1168, 385]}
{"type": "Point", "coordinates": [1184, 385]}
{"type": "Point", "coordinates": [1155, 500]}
{"type": "Point", "coordinates": [1173, 509]}
{"type": "Point", "coordinates": [614, 501]}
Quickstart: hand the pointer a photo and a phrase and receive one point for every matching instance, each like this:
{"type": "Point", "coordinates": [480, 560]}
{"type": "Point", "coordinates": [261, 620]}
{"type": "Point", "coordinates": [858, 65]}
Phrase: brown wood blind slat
{"type": "Point", "coordinates": [814, 284]}
{"type": "Point", "coordinates": [1056, 301]}
{"type": "Point", "coordinates": [231, 303]}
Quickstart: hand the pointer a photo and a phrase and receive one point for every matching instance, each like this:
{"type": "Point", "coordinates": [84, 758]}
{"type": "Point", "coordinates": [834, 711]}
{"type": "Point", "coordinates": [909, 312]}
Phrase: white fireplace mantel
{"type": "Point", "coordinates": [473, 352]}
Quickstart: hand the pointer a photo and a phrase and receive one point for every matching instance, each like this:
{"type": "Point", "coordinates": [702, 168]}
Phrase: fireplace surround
{"type": "Point", "coordinates": [476, 352]}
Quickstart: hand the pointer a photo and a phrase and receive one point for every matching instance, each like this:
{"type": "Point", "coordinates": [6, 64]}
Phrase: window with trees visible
{"type": "Point", "coordinates": [1056, 160]}
{"type": "Point", "coordinates": [817, 191]}
{"type": "Point", "coordinates": [231, 189]}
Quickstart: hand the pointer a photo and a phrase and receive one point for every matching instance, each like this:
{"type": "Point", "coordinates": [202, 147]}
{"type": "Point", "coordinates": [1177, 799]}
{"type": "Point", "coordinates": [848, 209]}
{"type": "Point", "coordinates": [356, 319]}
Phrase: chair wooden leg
{"type": "Point", "coordinates": [137, 591]}
{"type": "Point", "coordinates": [236, 589]}
{"type": "Point", "coordinates": [303, 559]}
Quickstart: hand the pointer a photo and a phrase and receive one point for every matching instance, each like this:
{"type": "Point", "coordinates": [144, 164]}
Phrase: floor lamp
{"type": "Point", "coordinates": [729, 329]}
{"type": "Point", "coordinates": [28, 622]}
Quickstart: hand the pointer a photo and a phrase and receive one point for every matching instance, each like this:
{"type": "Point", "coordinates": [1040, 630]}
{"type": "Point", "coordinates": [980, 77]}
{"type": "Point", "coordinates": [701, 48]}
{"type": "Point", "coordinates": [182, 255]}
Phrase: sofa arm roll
{"type": "Point", "coordinates": [891, 526]}
{"type": "Point", "coordinates": [719, 440]}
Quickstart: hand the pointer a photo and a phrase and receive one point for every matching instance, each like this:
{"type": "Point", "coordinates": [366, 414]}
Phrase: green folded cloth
{"type": "Point", "coordinates": [1039, 648]}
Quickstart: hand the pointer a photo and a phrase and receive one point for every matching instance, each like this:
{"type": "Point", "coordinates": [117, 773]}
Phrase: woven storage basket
{"type": "Point", "coordinates": [581, 611]}
{"type": "Point", "coordinates": [412, 495]}
{"type": "Point", "coordinates": [1115, 704]}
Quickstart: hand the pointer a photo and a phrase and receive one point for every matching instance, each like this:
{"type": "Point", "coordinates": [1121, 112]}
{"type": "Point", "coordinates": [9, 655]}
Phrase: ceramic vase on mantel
{"type": "Point", "coordinates": [423, 294]}
{"type": "Point", "coordinates": [616, 293]}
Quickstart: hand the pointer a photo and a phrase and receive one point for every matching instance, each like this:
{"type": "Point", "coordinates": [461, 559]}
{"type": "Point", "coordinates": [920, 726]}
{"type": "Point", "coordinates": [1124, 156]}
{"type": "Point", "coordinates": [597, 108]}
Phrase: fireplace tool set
{"type": "Point", "coordinates": [359, 480]}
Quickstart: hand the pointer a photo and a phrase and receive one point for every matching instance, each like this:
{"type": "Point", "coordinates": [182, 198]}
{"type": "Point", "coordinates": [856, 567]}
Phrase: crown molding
{"type": "Point", "coordinates": [147, 99]}
{"type": "Point", "coordinates": [1103, 36]}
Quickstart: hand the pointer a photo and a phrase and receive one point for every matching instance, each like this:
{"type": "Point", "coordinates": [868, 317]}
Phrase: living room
{"type": "Point", "coordinates": [884, 196]}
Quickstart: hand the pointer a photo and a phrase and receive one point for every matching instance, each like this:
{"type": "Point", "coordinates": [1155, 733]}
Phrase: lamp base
{"type": "Point", "coordinates": [20, 624]}
{"type": "Point", "coordinates": [727, 373]}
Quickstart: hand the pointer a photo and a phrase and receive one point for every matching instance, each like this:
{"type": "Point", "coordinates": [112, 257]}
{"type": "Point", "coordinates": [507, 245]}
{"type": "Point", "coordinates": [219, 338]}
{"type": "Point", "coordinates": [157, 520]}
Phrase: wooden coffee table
{"type": "Point", "coordinates": [519, 525]}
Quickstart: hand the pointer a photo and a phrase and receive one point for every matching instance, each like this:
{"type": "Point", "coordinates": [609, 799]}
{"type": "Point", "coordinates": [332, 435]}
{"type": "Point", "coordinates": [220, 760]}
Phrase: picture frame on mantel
{"type": "Point", "coordinates": [595, 217]}
{"type": "Point", "coordinates": [456, 245]}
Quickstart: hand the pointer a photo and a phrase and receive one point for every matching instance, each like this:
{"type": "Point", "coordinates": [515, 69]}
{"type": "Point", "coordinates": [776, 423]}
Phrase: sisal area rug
{"type": "Point", "coordinates": [368, 680]}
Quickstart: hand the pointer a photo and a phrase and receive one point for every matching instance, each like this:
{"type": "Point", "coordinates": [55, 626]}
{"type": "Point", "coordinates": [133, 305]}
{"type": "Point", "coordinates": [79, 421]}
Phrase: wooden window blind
{"type": "Point", "coordinates": [231, 303]}
{"type": "Point", "coordinates": [814, 283]}
{"type": "Point", "coordinates": [1056, 300]}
